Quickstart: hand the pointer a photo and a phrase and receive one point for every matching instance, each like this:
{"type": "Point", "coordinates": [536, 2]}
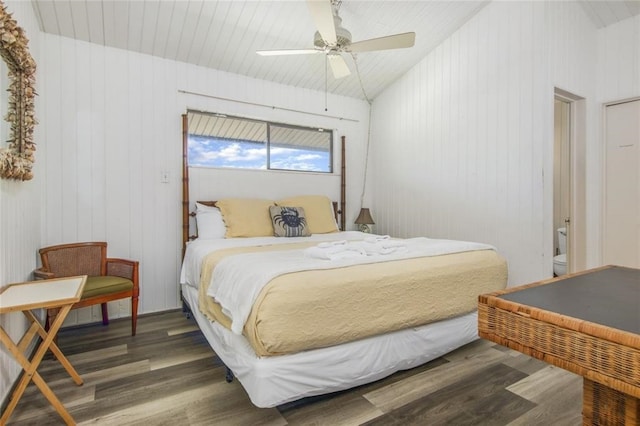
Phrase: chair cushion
{"type": "Point", "coordinates": [99, 286]}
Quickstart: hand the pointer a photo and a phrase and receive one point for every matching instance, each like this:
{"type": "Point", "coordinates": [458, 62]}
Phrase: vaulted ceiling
{"type": "Point", "coordinates": [224, 34]}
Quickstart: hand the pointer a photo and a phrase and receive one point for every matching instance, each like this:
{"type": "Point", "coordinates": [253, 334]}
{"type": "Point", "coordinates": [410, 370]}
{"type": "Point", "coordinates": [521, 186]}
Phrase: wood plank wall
{"type": "Point", "coordinates": [463, 142]}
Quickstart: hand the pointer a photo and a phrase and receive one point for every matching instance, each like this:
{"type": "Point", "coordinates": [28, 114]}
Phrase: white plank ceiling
{"type": "Point", "coordinates": [224, 35]}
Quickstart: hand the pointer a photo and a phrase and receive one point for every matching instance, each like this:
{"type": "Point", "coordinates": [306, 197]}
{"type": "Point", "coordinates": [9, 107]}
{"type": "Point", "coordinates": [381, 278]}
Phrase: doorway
{"type": "Point", "coordinates": [569, 183]}
{"type": "Point", "coordinates": [561, 184]}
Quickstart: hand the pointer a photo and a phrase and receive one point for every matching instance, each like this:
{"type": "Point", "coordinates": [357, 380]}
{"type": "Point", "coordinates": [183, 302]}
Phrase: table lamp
{"type": "Point", "coordinates": [364, 220]}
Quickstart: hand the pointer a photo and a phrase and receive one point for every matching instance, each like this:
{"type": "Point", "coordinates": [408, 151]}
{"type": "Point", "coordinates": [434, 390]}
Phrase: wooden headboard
{"type": "Point", "coordinates": [339, 211]}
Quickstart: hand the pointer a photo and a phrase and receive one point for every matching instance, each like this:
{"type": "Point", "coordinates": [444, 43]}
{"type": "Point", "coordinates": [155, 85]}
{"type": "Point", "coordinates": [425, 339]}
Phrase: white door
{"type": "Point", "coordinates": [622, 185]}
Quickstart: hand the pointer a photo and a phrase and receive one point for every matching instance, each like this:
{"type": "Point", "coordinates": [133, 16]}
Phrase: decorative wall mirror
{"type": "Point", "coordinates": [16, 160]}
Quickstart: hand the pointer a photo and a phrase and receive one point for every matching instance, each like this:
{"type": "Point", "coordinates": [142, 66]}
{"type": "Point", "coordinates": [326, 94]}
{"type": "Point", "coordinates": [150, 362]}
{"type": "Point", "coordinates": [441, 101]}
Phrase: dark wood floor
{"type": "Point", "coordinates": [168, 374]}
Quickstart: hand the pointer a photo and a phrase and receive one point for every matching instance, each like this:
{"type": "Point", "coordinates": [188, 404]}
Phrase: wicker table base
{"type": "Point", "coordinates": [602, 405]}
{"type": "Point", "coordinates": [607, 358]}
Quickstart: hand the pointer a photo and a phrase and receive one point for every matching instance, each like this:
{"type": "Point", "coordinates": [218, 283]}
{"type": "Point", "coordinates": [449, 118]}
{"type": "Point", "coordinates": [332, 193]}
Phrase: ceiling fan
{"type": "Point", "coordinates": [333, 39]}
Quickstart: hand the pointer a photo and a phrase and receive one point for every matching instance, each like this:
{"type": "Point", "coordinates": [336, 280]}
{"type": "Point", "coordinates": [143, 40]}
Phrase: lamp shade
{"type": "Point", "coordinates": [364, 218]}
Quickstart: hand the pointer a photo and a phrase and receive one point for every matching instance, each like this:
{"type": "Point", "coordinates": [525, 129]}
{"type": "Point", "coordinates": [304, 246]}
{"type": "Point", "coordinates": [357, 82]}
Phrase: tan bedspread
{"type": "Point", "coordinates": [313, 309]}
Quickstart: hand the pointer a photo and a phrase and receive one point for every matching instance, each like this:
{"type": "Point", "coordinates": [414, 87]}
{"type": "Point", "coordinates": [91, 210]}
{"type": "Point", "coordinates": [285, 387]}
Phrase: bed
{"type": "Point", "coordinates": [338, 319]}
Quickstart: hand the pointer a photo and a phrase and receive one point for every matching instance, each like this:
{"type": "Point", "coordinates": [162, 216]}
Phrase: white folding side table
{"type": "Point", "coordinates": [55, 293]}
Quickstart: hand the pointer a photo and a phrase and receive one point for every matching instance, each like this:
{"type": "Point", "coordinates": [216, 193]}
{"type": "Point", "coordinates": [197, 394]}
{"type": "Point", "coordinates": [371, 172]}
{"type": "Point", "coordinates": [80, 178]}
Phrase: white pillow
{"type": "Point", "coordinates": [209, 222]}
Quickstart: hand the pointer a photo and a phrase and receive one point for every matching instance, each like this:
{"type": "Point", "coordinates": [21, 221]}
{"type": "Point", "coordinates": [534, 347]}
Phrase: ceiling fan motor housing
{"type": "Point", "coordinates": [342, 34]}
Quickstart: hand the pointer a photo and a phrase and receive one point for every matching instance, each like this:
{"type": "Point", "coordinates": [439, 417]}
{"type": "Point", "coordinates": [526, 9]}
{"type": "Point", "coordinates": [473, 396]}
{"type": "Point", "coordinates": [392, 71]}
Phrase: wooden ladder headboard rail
{"type": "Point", "coordinates": [185, 183]}
{"type": "Point", "coordinates": [343, 184]}
{"type": "Point", "coordinates": [186, 214]}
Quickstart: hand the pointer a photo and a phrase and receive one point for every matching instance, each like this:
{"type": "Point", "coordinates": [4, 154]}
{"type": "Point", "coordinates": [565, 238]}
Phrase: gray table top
{"type": "Point", "coordinates": [609, 297]}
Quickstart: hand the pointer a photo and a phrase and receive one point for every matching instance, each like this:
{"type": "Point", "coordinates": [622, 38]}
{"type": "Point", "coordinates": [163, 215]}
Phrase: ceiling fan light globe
{"type": "Point", "coordinates": [342, 34]}
{"type": "Point", "coordinates": [343, 37]}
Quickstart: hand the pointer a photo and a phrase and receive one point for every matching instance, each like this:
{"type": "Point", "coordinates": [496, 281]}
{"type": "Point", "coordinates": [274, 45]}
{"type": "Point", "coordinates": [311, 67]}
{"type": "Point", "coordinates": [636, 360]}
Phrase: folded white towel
{"type": "Point", "coordinates": [329, 244]}
{"type": "Point", "coordinates": [382, 247]}
{"type": "Point", "coordinates": [375, 245]}
{"type": "Point", "coordinates": [386, 250]}
{"type": "Point", "coordinates": [392, 243]}
{"type": "Point", "coordinates": [376, 238]}
{"type": "Point", "coordinates": [335, 252]}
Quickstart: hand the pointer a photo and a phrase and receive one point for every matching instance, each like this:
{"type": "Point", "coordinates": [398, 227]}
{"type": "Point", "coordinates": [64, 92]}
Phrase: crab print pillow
{"type": "Point", "coordinates": [289, 221]}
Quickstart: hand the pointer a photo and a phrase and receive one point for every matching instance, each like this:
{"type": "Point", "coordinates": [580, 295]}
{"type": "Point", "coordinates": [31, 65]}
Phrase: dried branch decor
{"type": "Point", "coordinates": [16, 161]}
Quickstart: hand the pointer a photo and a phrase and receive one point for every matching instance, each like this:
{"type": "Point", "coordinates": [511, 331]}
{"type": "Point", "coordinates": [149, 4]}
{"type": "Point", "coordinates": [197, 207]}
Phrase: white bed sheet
{"type": "Point", "coordinates": [272, 381]}
{"type": "Point", "coordinates": [198, 249]}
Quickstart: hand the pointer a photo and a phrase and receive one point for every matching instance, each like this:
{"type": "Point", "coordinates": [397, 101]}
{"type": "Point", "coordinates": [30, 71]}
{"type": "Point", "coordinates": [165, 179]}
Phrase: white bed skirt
{"type": "Point", "coordinates": [271, 381]}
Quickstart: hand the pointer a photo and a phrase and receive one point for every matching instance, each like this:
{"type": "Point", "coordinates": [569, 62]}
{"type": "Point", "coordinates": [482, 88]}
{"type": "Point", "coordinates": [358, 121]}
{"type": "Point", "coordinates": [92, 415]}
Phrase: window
{"type": "Point", "coordinates": [217, 140]}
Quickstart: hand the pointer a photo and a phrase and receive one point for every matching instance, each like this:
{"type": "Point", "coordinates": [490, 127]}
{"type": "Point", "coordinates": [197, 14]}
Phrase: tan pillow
{"type": "Point", "coordinates": [246, 217]}
{"type": "Point", "coordinates": [318, 210]}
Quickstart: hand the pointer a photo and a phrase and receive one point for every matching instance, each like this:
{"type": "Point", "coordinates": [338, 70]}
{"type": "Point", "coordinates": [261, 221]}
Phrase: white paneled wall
{"type": "Point", "coordinates": [462, 144]}
{"type": "Point", "coordinates": [19, 208]}
{"type": "Point", "coordinates": [113, 121]}
{"type": "Point", "coordinates": [619, 61]}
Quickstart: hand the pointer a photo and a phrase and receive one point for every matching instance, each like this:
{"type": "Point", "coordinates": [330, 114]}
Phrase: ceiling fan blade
{"type": "Point", "coordinates": [396, 41]}
{"type": "Point", "coordinates": [338, 65]}
{"type": "Point", "coordinates": [287, 52]}
{"type": "Point", "coordinates": [322, 14]}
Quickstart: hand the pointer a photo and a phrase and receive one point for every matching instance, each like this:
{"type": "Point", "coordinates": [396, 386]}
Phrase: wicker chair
{"type": "Point", "coordinates": [108, 279]}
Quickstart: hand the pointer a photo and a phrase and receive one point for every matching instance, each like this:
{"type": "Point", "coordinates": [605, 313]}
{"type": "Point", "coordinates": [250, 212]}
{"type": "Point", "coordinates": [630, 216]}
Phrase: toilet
{"type": "Point", "coordinates": [560, 261]}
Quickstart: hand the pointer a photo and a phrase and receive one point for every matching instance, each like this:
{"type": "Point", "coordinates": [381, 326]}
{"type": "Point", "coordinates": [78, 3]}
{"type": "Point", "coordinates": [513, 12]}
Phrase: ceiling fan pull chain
{"type": "Point", "coordinates": [355, 61]}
